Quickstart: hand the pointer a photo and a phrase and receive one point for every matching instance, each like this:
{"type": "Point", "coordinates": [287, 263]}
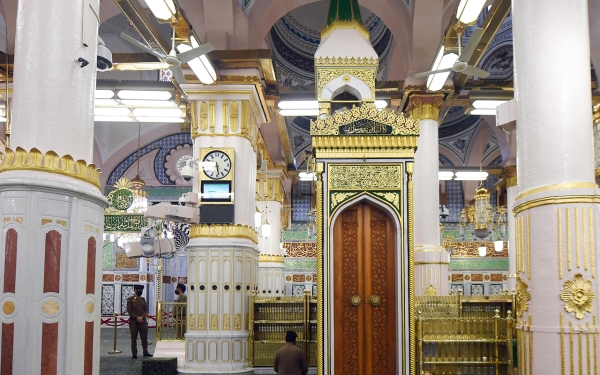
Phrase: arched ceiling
{"type": "Point", "coordinates": [294, 38]}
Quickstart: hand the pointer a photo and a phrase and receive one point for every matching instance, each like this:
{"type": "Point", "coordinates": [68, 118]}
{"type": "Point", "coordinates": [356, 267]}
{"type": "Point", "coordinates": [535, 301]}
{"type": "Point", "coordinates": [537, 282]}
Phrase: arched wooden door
{"type": "Point", "coordinates": [364, 267]}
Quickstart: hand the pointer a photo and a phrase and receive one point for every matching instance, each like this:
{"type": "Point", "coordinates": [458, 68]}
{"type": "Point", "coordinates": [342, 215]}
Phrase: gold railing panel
{"type": "Point", "coordinates": [171, 321]}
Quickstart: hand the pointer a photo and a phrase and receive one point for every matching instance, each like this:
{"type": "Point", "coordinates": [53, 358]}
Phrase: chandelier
{"type": "Point", "coordinates": [484, 223]}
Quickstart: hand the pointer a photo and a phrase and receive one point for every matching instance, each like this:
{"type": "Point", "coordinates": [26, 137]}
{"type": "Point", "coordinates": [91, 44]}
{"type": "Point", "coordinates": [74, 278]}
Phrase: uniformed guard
{"type": "Point", "coordinates": [138, 322]}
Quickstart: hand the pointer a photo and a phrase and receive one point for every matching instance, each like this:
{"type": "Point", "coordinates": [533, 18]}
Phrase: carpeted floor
{"type": "Point", "coordinates": [122, 363]}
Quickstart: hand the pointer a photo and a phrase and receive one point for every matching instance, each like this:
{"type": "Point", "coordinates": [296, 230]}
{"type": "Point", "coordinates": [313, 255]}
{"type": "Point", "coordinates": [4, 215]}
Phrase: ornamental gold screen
{"type": "Point", "coordinates": [364, 292]}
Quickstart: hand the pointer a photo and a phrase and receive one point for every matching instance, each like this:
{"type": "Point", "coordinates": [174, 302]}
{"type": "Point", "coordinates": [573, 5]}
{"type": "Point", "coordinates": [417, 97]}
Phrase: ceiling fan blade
{"type": "Point", "coordinates": [467, 52]}
{"type": "Point", "coordinates": [137, 43]}
{"type": "Point", "coordinates": [178, 74]}
{"type": "Point", "coordinates": [473, 71]}
{"type": "Point", "coordinates": [430, 72]}
{"type": "Point", "coordinates": [184, 57]}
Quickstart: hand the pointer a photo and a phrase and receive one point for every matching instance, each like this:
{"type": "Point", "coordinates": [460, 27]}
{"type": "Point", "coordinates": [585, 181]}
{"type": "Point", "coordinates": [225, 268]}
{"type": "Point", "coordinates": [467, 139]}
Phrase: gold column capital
{"type": "Point", "coordinates": [509, 175]}
{"type": "Point", "coordinates": [596, 114]}
{"type": "Point", "coordinates": [425, 106]}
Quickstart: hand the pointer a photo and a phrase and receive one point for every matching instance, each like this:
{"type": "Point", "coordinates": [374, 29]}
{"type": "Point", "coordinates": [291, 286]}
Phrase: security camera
{"type": "Point", "coordinates": [182, 200]}
{"type": "Point", "coordinates": [187, 173]}
{"type": "Point", "coordinates": [444, 212]}
{"type": "Point", "coordinates": [104, 57]}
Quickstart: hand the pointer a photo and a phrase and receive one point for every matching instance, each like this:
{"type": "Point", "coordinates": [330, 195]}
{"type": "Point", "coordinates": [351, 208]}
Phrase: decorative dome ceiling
{"type": "Point", "coordinates": [296, 36]}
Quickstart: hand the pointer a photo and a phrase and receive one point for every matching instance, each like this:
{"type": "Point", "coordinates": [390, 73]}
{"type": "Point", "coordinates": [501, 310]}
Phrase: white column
{"type": "Point", "coordinates": [555, 213]}
{"type": "Point", "coordinates": [271, 265]}
{"type": "Point", "coordinates": [431, 260]}
{"type": "Point", "coordinates": [223, 259]}
{"type": "Point", "coordinates": [52, 214]}
{"type": "Point", "coordinates": [53, 99]}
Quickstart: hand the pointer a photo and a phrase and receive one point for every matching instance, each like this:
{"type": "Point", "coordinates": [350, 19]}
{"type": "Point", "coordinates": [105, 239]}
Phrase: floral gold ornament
{"type": "Point", "coordinates": [523, 297]}
{"type": "Point", "coordinates": [370, 177]}
{"type": "Point", "coordinates": [578, 296]}
{"type": "Point", "coordinates": [430, 291]}
{"type": "Point", "coordinates": [49, 162]}
{"type": "Point", "coordinates": [225, 230]}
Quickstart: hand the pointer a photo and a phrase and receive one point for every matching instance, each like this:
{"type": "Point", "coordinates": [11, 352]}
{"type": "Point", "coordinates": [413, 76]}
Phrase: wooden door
{"type": "Point", "coordinates": [364, 266]}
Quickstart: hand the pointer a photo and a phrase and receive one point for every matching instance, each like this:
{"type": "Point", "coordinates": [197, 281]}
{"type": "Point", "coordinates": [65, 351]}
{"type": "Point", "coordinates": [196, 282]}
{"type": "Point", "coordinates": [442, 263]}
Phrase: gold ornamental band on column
{"type": "Point", "coordinates": [565, 199]}
{"type": "Point", "coordinates": [411, 267]}
{"type": "Point", "coordinates": [425, 106]}
{"type": "Point", "coordinates": [223, 231]}
{"type": "Point", "coordinates": [271, 258]}
{"type": "Point", "coordinates": [49, 162]}
{"type": "Point", "coordinates": [320, 270]}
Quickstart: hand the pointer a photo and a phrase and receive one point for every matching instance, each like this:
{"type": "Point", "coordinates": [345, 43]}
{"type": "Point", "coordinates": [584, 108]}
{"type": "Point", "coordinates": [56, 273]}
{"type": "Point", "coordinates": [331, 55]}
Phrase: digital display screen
{"type": "Point", "coordinates": [216, 191]}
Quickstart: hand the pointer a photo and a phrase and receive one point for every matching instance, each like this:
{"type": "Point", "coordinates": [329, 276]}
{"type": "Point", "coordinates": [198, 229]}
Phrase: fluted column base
{"type": "Point", "coordinates": [431, 270]}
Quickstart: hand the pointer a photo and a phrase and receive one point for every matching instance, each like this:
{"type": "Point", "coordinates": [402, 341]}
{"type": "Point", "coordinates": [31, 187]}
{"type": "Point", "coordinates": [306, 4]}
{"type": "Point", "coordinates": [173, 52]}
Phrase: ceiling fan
{"type": "Point", "coordinates": [458, 64]}
{"type": "Point", "coordinates": [173, 59]}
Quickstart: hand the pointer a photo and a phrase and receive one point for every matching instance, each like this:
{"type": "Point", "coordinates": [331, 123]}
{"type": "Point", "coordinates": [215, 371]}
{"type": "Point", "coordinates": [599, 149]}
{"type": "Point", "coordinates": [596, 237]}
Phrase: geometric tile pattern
{"type": "Point", "coordinates": [487, 264]}
{"type": "Point", "coordinates": [496, 289]}
{"type": "Point", "coordinates": [298, 289]}
{"type": "Point", "coordinates": [165, 145]}
{"type": "Point", "coordinates": [477, 290]}
{"type": "Point", "coordinates": [455, 198]}
{"type": "Point", "coordinates": [108, 299]}
{"type": "Point", "coordinates": [301, 203]}
{"type": "Point", "coordinates": [308, 265]}
{"type": "Point", "coordinates": [456, 287]}
{"type": "Point", "coordinates": [126, 292]}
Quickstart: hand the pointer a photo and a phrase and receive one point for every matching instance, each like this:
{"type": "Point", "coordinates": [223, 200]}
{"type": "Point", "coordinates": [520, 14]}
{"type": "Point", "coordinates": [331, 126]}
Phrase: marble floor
{"type": "Point", "coordinates": [122, 363]}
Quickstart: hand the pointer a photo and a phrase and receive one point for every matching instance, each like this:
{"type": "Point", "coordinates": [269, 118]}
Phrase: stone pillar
{"type": "Point", "coordinates": [50, 201]}
{"type": "Point", "coordinates": [223, 259]}
{"type": "Point", "coordinates": [510, 177]}
{"type": "Point", "coordinates": [271, 268]}
{"type": "Point", "coordinates": [431, 259]}
{"type": "Point", "coordinates": [556, 210]}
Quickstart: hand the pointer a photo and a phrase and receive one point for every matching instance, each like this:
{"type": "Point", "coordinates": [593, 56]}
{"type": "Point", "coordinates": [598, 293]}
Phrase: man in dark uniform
{"type": "Point", "coordinates": [290, 359]}
{"type": "Point", "coordinates": [138, 311]}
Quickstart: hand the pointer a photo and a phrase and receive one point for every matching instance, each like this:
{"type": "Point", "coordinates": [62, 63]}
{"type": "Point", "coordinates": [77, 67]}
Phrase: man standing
{"type": "Point", "coordinates": [180, 312]}
{"type": "Point", "coordinates": [289, 359]}
{"type": "Point", "coordinates": [138, 311]}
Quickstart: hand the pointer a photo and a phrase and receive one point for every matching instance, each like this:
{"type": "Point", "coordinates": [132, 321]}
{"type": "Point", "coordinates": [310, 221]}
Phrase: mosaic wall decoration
{"type": "Point", "coordinates": [108, 277]}
{"type": "Point", "coordinates": [131, 278]}
{"type": "Point", "coordinates": [496, 277]}
{"type": "Point", "coordinates": [300, 265]}
{"type": "Point", "coordinates": [126, 292]}
{"type": "Point", "coordinates": [455, 197]}
{"type": "Point", "coordinates": [457, 277]}
{"type": "Point", "coordinates": [496, 289]}
{"type": "Point", "coordinates": [300, 249]}
{"type": "Point", "coordinates": [123, 262]}
{"type": "Point", "coordinates": [298, 289]}
{"type": "Point", "coordinates": [477, 289]}
{"type": "Point", "coordinates": [470, 249]}
{"type": "Point", "coordinates": [456, 287]}
{"type": "Point", "coordinates": [487, 264]}
{"type": "Point", "coordinates": [476, 277]}
{"type": "Point", "coordinates": [107, 256]}
{"type": "Point", "coordinates": [296, 235]}
{"type": "Point", "coordinates": [108, 299]}
{"type": "Point", "coordinates": [299, 278]}
{"type": "Point", "coordinates": [301, 201]}
{"type": "Point", "coordinates": [164, 145]}
{"type": "Point", "coordinates": [314, 290]}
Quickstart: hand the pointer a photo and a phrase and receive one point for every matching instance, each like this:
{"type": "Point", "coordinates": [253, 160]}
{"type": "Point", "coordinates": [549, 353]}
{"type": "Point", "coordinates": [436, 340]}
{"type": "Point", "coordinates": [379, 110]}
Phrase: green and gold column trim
{"type": "Point", "coordinates": [320, 270]}
{"type": "Point", "coordinates": [411, 266]}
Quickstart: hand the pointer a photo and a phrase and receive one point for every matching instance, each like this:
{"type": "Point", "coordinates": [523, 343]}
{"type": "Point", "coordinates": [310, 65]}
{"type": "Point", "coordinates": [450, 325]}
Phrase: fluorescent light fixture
{"type": "Point", "coordinates": [445, 175]}
{"type": "Point", "coordinates": [160, 119]}
{"type": "Point", "coordinates": [307, 176]}
{"type": "Point", "coordinates": [471, 176]}
{"type": "Point", "coordinates": [2, 112]}
{"type": "Point", "coordinates": [482, 251]}
{"type": "Point", "coordinates": [162, 9]}
{"type": "Point", "coordinates": [2, 119]}
{"type": "Point", "coordinates": [106, 102]}
{"type": "Point", "coordinates": [435, 82]}
{"type": "Point", "coordinates": [104, 94]}
{"type": "Point", "coordinates": [498, 246]}
{"type": "Point", "coordinates": [148, 103]}
{"type": "Point", "coordinates": [468, 10]}
{"type": "Point", "coordinates": [483, 112]}
{"type": "Point", "coordinates": [114, 111]}
{"type": "Point", "coordinates": [487, 104]}
{"type": "Point", "coordinates": [144, 95]}
{"type": "Point", "coordinates": [299, 112]}
{"type": "Point", "coordinates": [158, 112]}
{"type": "Point", "coordinates": [113, 118]}
{"type": "Point", "coordinates": [197, 66]}
{"type": "Point", "coordinates": [205, 61]}
{"type": "Point", "coordinates": [298, 104]}
{"type": "Point", "coordinates": [380, 104]}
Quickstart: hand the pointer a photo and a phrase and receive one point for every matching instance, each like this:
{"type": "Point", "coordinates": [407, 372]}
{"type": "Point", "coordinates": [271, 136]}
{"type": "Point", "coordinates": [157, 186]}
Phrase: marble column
{"type": "Point", "coordinates": [431, 259]}
{"type": "Point", "coordinates": [556, 207]}
{"type": "Point", "coordinates": [596, 124]}
{"type": "Point", "coordinates": [50, 201]}
{"type": "Point", "coordinates": [510, 177]}
{"type": "Point", "coordinates": [271, 268]}
{"type": "Point", "coordinates": [223, 259]}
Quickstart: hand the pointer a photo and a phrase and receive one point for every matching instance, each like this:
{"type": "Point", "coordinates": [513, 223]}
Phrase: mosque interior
{"type": "Point", "coordinates": [407, 184]}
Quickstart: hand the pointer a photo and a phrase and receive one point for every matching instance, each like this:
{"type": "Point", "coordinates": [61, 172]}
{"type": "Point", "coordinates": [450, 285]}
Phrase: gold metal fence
{"type": "Point", "coordinates": [465, 345]}
{"type": "Point", "coordinates": [171, 321]}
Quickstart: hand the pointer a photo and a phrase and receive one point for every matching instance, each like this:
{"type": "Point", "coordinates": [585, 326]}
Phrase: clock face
{"type": "Point", "coordinates": [223, 164]}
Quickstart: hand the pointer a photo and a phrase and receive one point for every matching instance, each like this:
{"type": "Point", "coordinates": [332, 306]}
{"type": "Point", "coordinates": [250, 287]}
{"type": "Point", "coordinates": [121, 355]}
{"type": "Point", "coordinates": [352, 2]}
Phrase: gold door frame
{"type": "Point", "coordinates": [400, 208]}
